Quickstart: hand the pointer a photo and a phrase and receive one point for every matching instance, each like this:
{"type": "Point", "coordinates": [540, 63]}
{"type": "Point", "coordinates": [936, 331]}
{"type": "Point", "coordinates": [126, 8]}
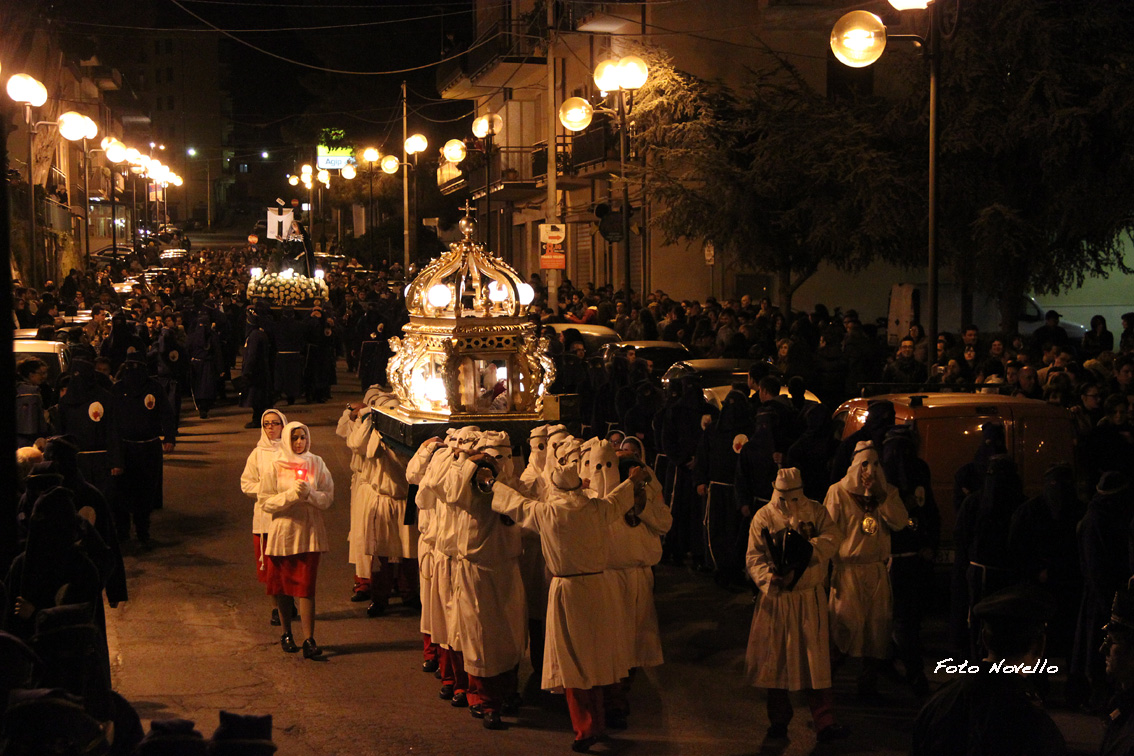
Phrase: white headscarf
{"type": "Point", "coordinates": [287, 455]}
{"type": "Point", "coordinates": [266, 443]}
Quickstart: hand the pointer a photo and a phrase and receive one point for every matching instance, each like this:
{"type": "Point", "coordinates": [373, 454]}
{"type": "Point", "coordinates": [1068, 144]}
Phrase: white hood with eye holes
{"type": "Point", "coordinates": [599, 465]}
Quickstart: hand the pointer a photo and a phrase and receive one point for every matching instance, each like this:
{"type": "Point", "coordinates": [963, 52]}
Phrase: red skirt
{"type": "Point", "coordinates": [261, 560]}
{"type": "Point", "coordinates": [293, 575]}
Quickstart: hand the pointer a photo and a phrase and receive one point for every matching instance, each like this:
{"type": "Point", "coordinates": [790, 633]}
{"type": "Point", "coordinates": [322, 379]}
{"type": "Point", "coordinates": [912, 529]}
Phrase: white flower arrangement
{"type": "Point", "coordinates": [286, 290]}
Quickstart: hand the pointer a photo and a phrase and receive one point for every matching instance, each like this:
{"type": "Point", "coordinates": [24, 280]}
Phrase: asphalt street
{"type": "Point", "coordinates": [194, 638]}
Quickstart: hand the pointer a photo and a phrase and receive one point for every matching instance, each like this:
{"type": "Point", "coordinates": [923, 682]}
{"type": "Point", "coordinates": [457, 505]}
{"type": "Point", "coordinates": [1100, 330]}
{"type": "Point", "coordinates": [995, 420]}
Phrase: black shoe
{"type": "Point", "coordinates": [476, 711]}
{"type": "Point", "coordinates": [311, 649]}
{"type": "Point", "coordinates": [429, 665]}
{"type": "Point", "coordinates": [375, 610]}
{"type": "Point", "coordinates": [360, 596]}
{"type": "Point", "coordinates": [446, 693]}
{"type": "Point", "coordinates": [275, 621]}
{"type": "Point", "coordinates": [492, 721]}
{"type": "Point", "coordinates": [776, 732]}
{"type": "Point", "coordinates": [252, 425]}
{"type": "Point", "coordinates": [584, 745]}
{"type": "Point", "coordinates": [460, 700]}
{"type": "Point", "coordinates": [288, 643]}
{"type": "Point", "coordinates": [437, 673]}
{"type": "Point", "coordinates": [832, 732]}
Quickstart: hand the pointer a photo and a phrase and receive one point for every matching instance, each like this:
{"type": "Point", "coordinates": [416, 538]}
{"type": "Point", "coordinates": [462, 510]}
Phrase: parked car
{"type": "Point", "coordinates": [714, 371]}
{"type": "Point", "coordinates": [594, 336]}
{"type": "Point", "coordinates": [659, 354]}
{"type": "Point", "coordinates": [1038, 435]}
{"type": "Point", "coordinates": [56, 354]}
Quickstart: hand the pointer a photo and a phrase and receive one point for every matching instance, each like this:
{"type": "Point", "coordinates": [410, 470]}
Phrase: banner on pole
{"type": "Point", "coordinates": [279, 223]}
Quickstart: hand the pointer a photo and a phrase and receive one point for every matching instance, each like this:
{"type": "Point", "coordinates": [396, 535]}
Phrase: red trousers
{"type": "Point", "coordinates": [452, 665]}
{"type": "Point", "coordinates": [489, 692]}
{"type": "Point", "coordinates": [430, 650]}
{"type": "Point", "coordinates": [385, 576]}
{"type": "Point", "coordinates": [587, 716]}
{"type": "Point", "coordinates": [821, 702]}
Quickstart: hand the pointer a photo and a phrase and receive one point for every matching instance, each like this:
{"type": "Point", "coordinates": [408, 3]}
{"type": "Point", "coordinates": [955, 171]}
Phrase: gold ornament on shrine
{"type": "Point", "coordinates": [468, 352]}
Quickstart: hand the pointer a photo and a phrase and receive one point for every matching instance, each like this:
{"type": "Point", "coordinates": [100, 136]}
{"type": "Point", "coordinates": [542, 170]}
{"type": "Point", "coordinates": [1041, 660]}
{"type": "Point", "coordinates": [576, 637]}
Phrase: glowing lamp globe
{"type": "Point", "coordinates": [348, 172]}
{"type": "Point", "coordinates": [909, 4]}
{"type": "Point", "coordinates": [253, 239]}
{"type": "Point", "coordinates": [133, 157]}
{"type": "Point", "coordinates": [415, 144]}
{"type": "Point", "coordinates": [293, 180]}
{"type": "Point", "coordinates": [390, 164]}
{"type": "Point", "coordinates": [491, 123]}
{"type": "Point", "coordinates": [454, 151]}
{"type": "Point", "coordinates": [115, 151]}
{"type": "Point", "coordinates": [632, 72]}
{"type": "Point", "coordinates": [606, 75]}
{"type": "Point", "coordinates": [496, 292]}
{"type": "Point", "coordinates": [324, 176]}
{"type": "Point", "coordinates": [177, 180]}
{"type": "Point", "coordinates": [371, 155]}
{"type": "Point", "coordinates": [858, 39]}
{"type": "Point", "coordinates": [305, 170]}
{"type": "Point", "coordinates": [71, 126]}
{"type": "Point", "coordinates": [576, 114]}
{"type": "Point", "coordinates": [91, 128]}
{"type": "Point", "coordinates": [27, 89]}
{"type": "Point", "coordinates": [526, 293]}
{"type": "Point", "coordinates": [439, 296]}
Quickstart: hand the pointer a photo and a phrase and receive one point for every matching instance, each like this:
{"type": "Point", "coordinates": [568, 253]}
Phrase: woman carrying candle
{"type": "Point", "coordinates": [295, 497]}
{"type": "Point", "coordinates": [259, 466]}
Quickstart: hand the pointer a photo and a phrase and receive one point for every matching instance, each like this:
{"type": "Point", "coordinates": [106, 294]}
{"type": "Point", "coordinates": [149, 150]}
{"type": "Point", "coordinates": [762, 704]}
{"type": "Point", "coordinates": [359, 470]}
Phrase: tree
{"type": "Point", "coordinates": [1037, 131]}
{"type": "Point", "coordinates": [775, 175]}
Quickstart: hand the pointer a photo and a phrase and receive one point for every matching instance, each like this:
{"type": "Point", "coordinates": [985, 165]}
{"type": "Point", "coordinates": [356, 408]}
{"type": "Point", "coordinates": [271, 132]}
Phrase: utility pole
{"type": "Point", "coordinates": [552, 155]}
{"type": "Point", "coordinates": [405, 187]}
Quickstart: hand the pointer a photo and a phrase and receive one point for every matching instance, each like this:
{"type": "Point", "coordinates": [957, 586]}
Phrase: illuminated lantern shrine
{"type": "Point", "coordinates": [468, 353]}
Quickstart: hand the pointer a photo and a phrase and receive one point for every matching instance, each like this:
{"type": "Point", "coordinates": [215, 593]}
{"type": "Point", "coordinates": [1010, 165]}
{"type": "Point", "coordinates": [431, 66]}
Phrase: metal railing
{"type": "Point", "coordinates": [502, 42]}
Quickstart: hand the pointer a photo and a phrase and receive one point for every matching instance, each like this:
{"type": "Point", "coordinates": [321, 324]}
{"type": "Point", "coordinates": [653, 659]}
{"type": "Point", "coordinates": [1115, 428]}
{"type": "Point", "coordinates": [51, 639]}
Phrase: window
{"type": "Point", "coordinates": [243, 168]}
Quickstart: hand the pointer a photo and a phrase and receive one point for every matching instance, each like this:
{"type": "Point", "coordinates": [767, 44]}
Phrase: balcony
{"type": "Point", "coordinates": [566, 177]}
{"type": "Point", "coordinates": [503, 57]}
{"type": "Point", "coordinates": [602, 18]}
{"type": "Point", "coordinates": [593, 150]}
{"type": "Point", "coordinates": [511, 180]}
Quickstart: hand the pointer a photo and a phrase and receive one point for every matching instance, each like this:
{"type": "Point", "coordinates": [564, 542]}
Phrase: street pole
{"type": "Point", "coordinates": [32, 256]}
{"type": "Point", "coordinates": [552, 161]}
{"type": "Point", "coordinates": [370, 216]}
{"type": "Point", "coordinates": [488, 187]}
{"type": "Point", "coordinates": [209, 193]}
{"type": "Point", "coordinates": [934, 61]}
{"type": "Point", "coordinates": [405, 185]}
{"type": "Point", "coordinates": [624, 147]}
{"type": "Point", "coordinates": [86, 199]}
{"type": "Point", "coordinates": [113, 220]}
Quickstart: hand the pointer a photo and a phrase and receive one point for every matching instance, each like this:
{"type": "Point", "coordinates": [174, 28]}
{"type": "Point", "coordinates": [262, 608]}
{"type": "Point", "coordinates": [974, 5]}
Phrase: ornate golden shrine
{"type": "Point", "coordinates": [468, 353]}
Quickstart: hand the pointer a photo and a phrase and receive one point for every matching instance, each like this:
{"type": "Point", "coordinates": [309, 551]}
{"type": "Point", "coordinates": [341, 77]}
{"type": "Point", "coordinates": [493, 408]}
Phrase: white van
{"type": "Point", "coordinates": [907, 302]}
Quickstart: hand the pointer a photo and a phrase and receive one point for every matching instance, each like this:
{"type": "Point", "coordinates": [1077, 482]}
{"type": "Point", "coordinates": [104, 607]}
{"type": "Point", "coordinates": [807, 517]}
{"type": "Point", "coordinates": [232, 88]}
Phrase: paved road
{"type": "Point", "coordinates": [194, 638]}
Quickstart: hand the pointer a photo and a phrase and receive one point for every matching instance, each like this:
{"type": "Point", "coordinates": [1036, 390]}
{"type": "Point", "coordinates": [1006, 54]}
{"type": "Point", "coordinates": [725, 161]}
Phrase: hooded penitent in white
{"type": "Point", "coordinates": [789, 645]}
{"type": "Point", "coordinates": [865, 508]}
{"type": "Point", "coordinates": [583, 603]}
{"type": "Point", "coordinates": [599, 466]}
{"type": "Point", "coordinates": [297, 493]}
{"type": "Point", "coordinates": [258, 467]}
{"type": "Point", "coordinates": [416, 471]}
{"type": "Point", "coordinates": [635, 547]}
{"type": "Point", "coordinates": [357, 433]}
{"type": "Point", "coordinates": [488, 619]}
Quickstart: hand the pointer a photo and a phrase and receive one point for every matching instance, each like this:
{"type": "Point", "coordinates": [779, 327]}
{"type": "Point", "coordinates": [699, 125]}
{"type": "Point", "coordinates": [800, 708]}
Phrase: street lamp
{"type": "Point", "coordinates": [624, 76]}
{"type": "Point", "coordinates": [486, 127]}
{"type": "Point", "coordinates": [414, 144]}
{"type": "Point", "coordinates": [858, 39]}
{"type": "Point", "coordinates": [371, 156]}
{"type": "Point", "coordinates": [29, 91]}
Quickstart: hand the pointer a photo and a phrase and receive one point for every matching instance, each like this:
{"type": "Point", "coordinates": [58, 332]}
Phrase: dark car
{"type": "Point", "coordinates": [658, 354]}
